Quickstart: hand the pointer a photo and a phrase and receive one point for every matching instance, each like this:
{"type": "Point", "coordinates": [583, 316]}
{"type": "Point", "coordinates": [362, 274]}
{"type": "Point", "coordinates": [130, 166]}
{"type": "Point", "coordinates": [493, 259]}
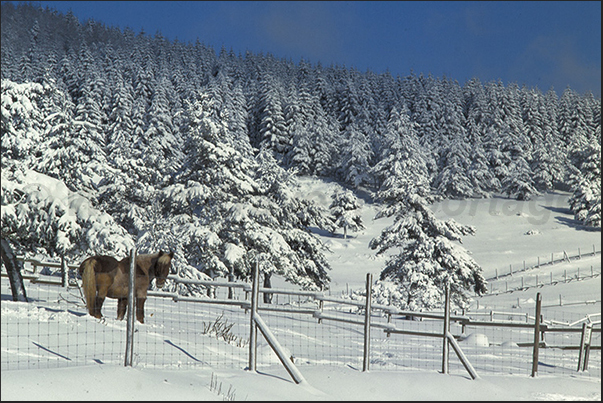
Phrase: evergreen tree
{"type": "Point", "coordinates": [272, 133]}
{"type": "Point", "coordinates": [402, 169]}
{"type": "Point", "coordinates": [160, 140]}
{"type": "Point", "coordinates": [343, 207]}
{"type": "Point", "coordinates": [452, 180]}
{"type": "Point", "coordinates": [480, 174]}
{"type": "Point", "coordinates": [585, 201]}
{"type": "Point", "coordinates": [355, 156]}
{"type": "Point", "coordinates": [427, 257]}
{"type": "Point", "coordinates": [22, 123]}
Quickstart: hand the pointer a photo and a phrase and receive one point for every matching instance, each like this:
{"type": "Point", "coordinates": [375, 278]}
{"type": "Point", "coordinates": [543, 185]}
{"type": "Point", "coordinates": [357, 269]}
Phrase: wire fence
{"type": "Point", "coordinates": [186, 334]}
{"type": "Point", "coordinates": [54, 330]}
{"type": "Point", "coordinates": [544, 261]}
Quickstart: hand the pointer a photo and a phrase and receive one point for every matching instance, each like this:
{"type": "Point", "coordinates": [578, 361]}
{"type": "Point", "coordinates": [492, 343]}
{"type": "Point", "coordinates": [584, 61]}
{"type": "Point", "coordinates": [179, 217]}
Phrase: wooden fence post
{"type": "Point", "coordinates": [64, 272]}
{"type": "Point", "coordinates": [536, 335]}
{"type": "Point", "coordinates": [321, 305]}
{"type": "Point", "coordinates": [585, 346]}
{"type": "Point", "coordinates": [367, 323]}
{"type": "Point", "coordinates": [131, 318]}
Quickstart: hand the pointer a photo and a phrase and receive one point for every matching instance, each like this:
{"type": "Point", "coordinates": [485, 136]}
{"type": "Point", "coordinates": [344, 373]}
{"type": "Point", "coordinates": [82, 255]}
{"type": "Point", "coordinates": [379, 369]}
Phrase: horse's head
{"type": "Point", "coordinates": [164, 262]}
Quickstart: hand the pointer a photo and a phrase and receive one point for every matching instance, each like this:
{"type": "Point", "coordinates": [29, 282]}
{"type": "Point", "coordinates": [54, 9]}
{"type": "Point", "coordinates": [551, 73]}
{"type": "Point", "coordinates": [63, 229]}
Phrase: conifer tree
{"type": "Point", "coordinates": [585, 202]}
{"type": "Point", "coordinates": [343, 207]}
{"type": "Point", "coordinates": [427, 257]}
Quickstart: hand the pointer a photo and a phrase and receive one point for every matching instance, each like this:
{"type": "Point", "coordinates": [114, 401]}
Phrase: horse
{"type": "Point", "coordinates": [104, 276]}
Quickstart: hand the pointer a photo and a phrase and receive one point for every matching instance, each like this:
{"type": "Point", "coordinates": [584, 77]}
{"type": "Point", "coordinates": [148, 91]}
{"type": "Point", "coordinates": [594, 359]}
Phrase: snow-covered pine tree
{"type": "Point", "coordinates": [482, 178]}
{"type": "Point", "coordinates": [452, 180]}
{"type": "Point", "coordinates": [427, 257]}
{"type": "Point", "coordinates": [41, 215]}
{"type": "Point", "coordinates": [514, 147]}
{"type": "Point", "coordinates": [593, 216]}
{"type": "Point", "coordinates": [22, 123]}
{"type": "Point", "coordinates": [402, 167]}
{"type": "Point", "coordinates": [344, 209]}
{"type": "Point", "coordinates": [574, 124]}
{"type": "Point", "coordinates": [75, 146]}
{"type": "Point", "coordinates": [272, 133]}
{"type": "Point", "coordinates": [159, 146]}
{"type": "Point", "coordinates": [585, 202]}
{"type": "Point", "coordinates": [235, 209]}
{"type": "Point", "coordinates": [355, 156]}
{"type": "Point", "coordinates": [541, 120]}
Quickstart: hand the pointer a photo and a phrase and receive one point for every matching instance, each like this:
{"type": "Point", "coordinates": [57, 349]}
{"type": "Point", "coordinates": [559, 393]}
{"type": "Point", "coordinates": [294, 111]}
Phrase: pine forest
{"type": "Point", "coordinates": [161, 144]}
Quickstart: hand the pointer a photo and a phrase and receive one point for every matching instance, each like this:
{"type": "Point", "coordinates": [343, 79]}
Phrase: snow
{"type": "Point", "coordinates": [501, 240]}
{"type": "Point", "coordinates": [103, 382]}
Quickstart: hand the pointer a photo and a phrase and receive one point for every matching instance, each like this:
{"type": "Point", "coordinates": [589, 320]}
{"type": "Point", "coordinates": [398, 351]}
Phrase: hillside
{"type": "Point", "coordinates": [351, 260]}
{"type": "Point", "coordinates": [178, 147]}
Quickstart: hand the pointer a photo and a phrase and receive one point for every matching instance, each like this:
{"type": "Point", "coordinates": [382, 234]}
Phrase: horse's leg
{"type": "Point", "coordinates": [122, 306]}
{"type": "Point", "coordinates": [98, 304]}
{"type": "Point", "coordinates": [103, 282]}
{"type": "Point", "coordinates": [140, 309]}
{"type": "Point", "coordinates": [142, 284]}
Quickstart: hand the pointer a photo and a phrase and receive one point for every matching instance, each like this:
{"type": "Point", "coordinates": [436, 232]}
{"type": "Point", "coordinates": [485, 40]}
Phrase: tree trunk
{"type": "Point", "coordinates": [267, 284]}
{"type": "Point", "coordinates": [13, 268]}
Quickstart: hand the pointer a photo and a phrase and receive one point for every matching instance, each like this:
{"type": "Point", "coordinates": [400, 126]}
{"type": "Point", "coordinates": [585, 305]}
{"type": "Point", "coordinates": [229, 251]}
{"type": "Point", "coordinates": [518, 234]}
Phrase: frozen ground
{"type": "Point", "coordinates": [508, 233]}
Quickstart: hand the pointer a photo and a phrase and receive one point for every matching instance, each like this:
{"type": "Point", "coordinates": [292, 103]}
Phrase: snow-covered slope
{"type": "Point", "coordinates": [507, 233]}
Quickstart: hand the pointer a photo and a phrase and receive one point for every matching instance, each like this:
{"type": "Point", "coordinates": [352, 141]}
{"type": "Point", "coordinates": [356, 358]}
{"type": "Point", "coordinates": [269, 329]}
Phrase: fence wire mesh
{"type": "Point", "coordinates": [186, 334]}
{"type": "Point", "coordinates": [54, 330]}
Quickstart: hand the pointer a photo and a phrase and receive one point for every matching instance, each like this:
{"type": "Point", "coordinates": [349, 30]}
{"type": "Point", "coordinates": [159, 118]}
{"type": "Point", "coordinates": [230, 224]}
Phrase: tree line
{"type": "Point", "coordinates": [183, 145]}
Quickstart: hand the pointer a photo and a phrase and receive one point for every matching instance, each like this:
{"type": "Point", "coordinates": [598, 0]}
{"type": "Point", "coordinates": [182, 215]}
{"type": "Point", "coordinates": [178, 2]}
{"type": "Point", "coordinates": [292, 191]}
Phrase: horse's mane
{"type": "Point", "coordinates": [149, 261]}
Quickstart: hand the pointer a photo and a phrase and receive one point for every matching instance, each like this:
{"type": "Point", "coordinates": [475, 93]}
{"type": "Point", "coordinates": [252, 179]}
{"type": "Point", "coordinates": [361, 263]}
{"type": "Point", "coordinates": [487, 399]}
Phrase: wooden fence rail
{"type": "Point", "coordinates": [540, 326]}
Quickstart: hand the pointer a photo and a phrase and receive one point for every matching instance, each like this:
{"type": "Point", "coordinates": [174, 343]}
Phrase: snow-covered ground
{"type": "Point", "coordinates": [177, 357]}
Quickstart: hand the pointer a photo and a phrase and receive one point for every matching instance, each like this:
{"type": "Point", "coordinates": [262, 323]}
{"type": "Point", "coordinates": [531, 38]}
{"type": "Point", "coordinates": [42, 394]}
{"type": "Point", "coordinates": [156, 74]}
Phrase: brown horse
{"type": "Point", "coordinates": [105, 276]}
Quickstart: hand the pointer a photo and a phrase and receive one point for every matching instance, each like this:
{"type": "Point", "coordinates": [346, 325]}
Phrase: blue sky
{"type": "Point", "coordinates": [537, 43]}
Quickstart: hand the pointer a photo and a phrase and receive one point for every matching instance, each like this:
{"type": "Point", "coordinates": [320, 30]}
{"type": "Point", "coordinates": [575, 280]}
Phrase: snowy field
{"type": "Point", "coordinates": [180, 352]}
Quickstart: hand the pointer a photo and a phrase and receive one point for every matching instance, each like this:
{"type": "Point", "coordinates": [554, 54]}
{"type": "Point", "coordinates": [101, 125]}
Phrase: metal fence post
{"type": "Point", "coordinates": [253, 330]}
{"type": "Point", "coordinates": [130, 314]}
{"type": "Point", "coordinates": [536, 335]}
{"type": "Point", "coordinates": [367, 322]}
{"type": "Point", "coordinates": [445, 350]}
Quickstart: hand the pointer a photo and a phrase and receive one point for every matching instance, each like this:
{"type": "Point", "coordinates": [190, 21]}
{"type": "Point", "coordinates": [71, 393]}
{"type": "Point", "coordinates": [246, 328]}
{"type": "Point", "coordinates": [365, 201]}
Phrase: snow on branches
{"type": "Point", "coordinates": [423, 257]}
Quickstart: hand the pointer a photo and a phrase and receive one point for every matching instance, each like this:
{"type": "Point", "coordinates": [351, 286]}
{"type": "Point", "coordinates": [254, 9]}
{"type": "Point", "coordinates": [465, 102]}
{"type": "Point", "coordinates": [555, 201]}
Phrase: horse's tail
{"type": "Point", "coordinates": [89, 283]}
